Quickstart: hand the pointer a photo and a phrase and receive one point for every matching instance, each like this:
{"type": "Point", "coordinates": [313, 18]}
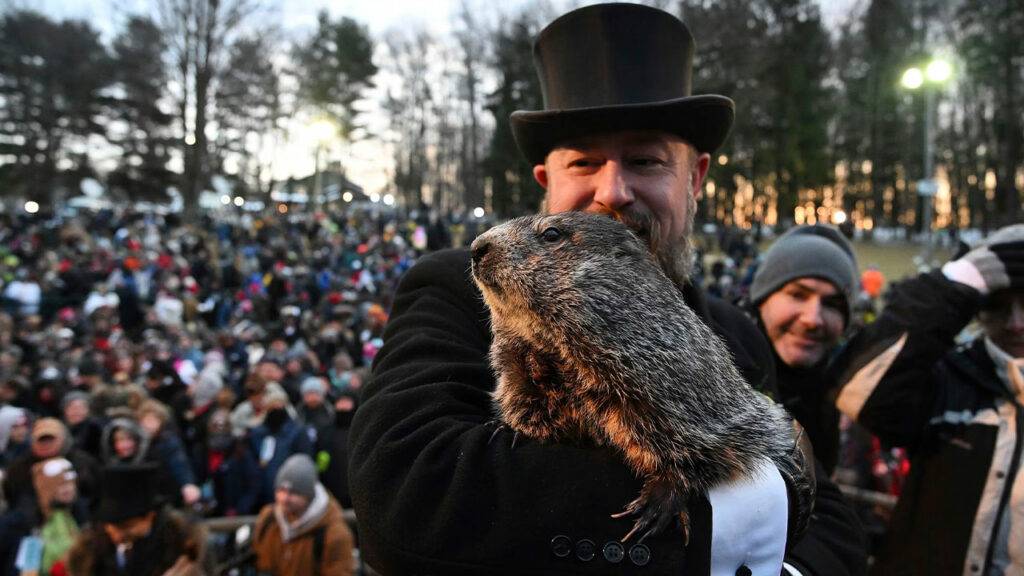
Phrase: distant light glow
{"type": "Point", "coordinates": [282, 208]}
{"type": "Point", "coordinates": [239, 201]}
{"type": "Point", "coordinates": [31, 207]}
{"type": "Point", "coordinates": [374, 197]}
{"type": "Point", "coordinates": [938, 70]}
{"type": "Point", "coordinates": [389, 200]}
{"type": "Point", "coordinates": [913, 78]}
{"type": "Point", "coordinates": [478, 212]}
{"type": "Point", "coordinates": [323, 130]}
{"type": "Point", "coordinates": [347, 196]}
{"type": "Point", "coordinates": [838, 217]}
{"type": "Point", "coordinates": [225, 199]}
{"type": "Point", "coordinates": [723, 159]}
{"type": "Point", "coordinates": [190, 139]}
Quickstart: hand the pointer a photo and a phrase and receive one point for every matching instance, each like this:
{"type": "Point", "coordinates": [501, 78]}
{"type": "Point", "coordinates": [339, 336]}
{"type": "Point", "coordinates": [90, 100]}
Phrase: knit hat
{"type": "Point", "coordinates": [47, 476]}
{"type": "Point", "coordinates": [73, 396]}
{"type": "Point", "coordinates": [298, 476]}
{"type": "Point", "coordinates": [10, 416]}
{"type": "Point", "coordinates": [206, 387]}
{"type": "Point", "coordinates": [312, 384]}
{"type": "Point", "coordinates": [815, 251]}
{"type": "Point", "coordinates": [1005, 235]}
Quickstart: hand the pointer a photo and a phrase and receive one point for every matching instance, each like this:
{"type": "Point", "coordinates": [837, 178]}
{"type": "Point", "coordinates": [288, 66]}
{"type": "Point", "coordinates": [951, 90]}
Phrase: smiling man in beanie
{"type": "Point", "coordinates": [303, 531]}
{"type": "Point", "coordinates": [956, 408]}
{"type": "Point", "coordinates": [801, 298]}
{"type": "Point", "coordinates": [437, 489]}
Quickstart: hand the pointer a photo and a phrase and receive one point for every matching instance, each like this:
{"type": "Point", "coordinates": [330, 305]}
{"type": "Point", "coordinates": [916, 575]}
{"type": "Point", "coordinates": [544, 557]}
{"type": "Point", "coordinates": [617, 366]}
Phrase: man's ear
{"type": "Point", "coordinates": [700, 170]}
{"type": "Point", "coordinates": [540, 174]}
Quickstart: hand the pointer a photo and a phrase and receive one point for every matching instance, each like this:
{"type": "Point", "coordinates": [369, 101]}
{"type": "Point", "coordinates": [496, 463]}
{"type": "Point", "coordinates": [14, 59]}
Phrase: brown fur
{"type": "Point", "coordinates": [593, 342]}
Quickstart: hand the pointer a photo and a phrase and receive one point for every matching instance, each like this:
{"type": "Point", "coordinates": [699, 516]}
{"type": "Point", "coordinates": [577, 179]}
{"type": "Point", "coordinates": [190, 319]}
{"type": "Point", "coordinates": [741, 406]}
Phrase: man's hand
{"type": "Point", "coordinates": [750, 517]}
{"type": "Point", "coordinates": [989, 268]}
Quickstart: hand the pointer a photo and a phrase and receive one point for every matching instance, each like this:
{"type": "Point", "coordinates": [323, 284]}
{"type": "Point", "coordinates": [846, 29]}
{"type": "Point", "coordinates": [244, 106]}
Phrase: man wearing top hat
{"type": "Point", "coordinates": [134, 534]}
{"type": "Point", "coordinates": [435, 494]}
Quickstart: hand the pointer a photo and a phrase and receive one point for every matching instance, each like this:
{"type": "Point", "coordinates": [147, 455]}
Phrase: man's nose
{"type": "Point", "coordinates": [1015, 321]}
{"type": "Point", "coordinates": [810, 313]}
{"type": "Point", "coordinates": [613, 190]}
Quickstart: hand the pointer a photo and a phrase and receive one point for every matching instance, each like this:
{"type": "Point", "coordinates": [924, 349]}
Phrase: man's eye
{"type": "Point", "coordinates": [551, 234]}
{"type": "Point", "coordinates": [581, 163]}
{"type": "Point", "coordinates": [646, 162]}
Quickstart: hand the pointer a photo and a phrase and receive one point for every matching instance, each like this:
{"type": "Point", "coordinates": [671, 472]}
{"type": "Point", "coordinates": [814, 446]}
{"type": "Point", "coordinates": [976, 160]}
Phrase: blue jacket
{"type": "Point", "coordinates": [291, 438]}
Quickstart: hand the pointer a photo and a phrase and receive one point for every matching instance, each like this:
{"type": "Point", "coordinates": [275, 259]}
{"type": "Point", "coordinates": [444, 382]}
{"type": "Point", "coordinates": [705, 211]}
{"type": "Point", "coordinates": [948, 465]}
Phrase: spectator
{"type": "Point", "coordinates": [52, 519]}
{"type": "Point", "coordinates": [50, 439]}
{"type": "Point", "coordinates": [275, 440]}
{"type": "Point", "coordinates": [953, 407]}
{"type": "Point", "coordinates": [227, 470]}
{"type": "Point", "coordinates": [86, 430]}
{"type": "Point", "coordinates": [165, 447]}
{"type": "Point", "coordinates": [801, 299]}
{"type": "Point", "coordinates": [302, 531]}
{"type": "Point", "coordinates": [14, 438]}
{"type": "Point", "coordinates": [134, 534]}
{"type": "Point", "coordinates": [314, 411]}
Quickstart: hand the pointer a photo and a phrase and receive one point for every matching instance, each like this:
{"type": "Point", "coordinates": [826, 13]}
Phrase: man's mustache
{"type": "Point", "coordinates": [642, 223]}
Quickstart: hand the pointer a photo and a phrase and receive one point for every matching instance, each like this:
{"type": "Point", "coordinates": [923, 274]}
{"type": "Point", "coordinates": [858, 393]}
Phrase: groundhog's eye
{"type": "Point", "coordinates": [551, 234]}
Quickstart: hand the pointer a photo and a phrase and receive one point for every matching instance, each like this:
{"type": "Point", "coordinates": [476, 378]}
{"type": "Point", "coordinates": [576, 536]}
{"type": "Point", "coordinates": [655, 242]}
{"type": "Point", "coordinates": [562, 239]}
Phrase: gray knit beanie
{"type": "Point", "coordinates": [298, 476]}
{"type": "Point", "coordinates": [807, 252]}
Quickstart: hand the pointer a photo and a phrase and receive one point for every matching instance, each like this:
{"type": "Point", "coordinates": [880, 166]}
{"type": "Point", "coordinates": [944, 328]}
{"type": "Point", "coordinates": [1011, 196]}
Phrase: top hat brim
{"type": "Point", "coordinates": [704, 121]}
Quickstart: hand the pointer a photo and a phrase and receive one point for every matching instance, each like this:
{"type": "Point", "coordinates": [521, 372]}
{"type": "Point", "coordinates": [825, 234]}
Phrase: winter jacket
{"type": "Point", "coordinates": [435, 494]}
{"type": "Point", "coordinates": [328, 537]}
{"type": "Point", "coordinates": [272, 448]}
{"type": "Point", "coordinates": [905, 379]}
{"type": "Point", "coordinates": [234, 479]}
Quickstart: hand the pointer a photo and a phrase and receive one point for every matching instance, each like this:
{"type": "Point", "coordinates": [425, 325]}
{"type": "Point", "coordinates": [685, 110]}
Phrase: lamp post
{"type": "Point", "coordinates": [934, 74]}
{"type": "Point", "coordinates": [323, 131]}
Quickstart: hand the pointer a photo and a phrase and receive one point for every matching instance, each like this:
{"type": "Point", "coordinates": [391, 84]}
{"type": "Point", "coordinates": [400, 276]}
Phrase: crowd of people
{"type": "Point", "coordinates": [211, 353]}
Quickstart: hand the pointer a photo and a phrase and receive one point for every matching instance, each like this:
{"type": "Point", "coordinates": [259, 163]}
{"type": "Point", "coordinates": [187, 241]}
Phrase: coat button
{"type": "Point", "coordinates": [640, 555]}
{"type": "Point", "coordinates": [585, 550]}
{"type": "Point", "coordinates": [743, 571]}
{"type": "Point", "coordinates": [614, 552]}
{"type": "Point", "coordinates": [561, 546]}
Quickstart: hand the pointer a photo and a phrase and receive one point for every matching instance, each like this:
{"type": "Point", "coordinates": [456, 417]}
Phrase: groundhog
{"type": "Point", "coordinates": [593, 342]}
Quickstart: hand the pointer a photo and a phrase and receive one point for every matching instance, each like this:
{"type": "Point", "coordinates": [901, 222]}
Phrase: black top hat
{"type": "Point", "coordinates": [127, 491]}
{"type": "Point", "coordinates": [612, 67]}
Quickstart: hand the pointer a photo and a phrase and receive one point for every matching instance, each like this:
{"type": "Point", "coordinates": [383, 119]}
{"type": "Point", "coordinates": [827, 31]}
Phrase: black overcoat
{"type": "Point", "coordinates": [436, 494]}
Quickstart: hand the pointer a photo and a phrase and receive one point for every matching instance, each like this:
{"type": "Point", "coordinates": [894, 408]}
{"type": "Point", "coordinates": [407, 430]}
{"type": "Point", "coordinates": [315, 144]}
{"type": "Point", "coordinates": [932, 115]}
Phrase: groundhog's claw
{"type": "Point", "coordinates": [656, 507]}
{"type": "Point", "coordinates": [498, 427]}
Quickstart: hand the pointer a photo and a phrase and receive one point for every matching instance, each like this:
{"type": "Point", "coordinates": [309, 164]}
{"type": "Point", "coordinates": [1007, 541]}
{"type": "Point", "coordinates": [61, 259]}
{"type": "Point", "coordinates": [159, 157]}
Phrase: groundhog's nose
{"type": "Point", "coordinates": [480, 248]}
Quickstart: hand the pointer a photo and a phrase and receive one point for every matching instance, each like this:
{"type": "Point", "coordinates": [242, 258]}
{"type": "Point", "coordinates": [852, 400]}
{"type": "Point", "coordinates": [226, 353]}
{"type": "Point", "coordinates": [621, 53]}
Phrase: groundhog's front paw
{"type": "Point", "coordinates": [657, 506]}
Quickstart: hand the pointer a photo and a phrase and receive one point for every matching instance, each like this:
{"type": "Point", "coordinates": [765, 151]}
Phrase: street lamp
{"type": "Point", "coordinates": [930, 77]}
{"type": "Point", "coordinates": [322, 130]}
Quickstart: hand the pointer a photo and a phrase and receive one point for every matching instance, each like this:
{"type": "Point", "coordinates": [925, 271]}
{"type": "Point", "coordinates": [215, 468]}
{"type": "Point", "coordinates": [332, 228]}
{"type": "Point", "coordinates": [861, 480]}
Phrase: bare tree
{"type": "Point", "coordinates": [199, 34]}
